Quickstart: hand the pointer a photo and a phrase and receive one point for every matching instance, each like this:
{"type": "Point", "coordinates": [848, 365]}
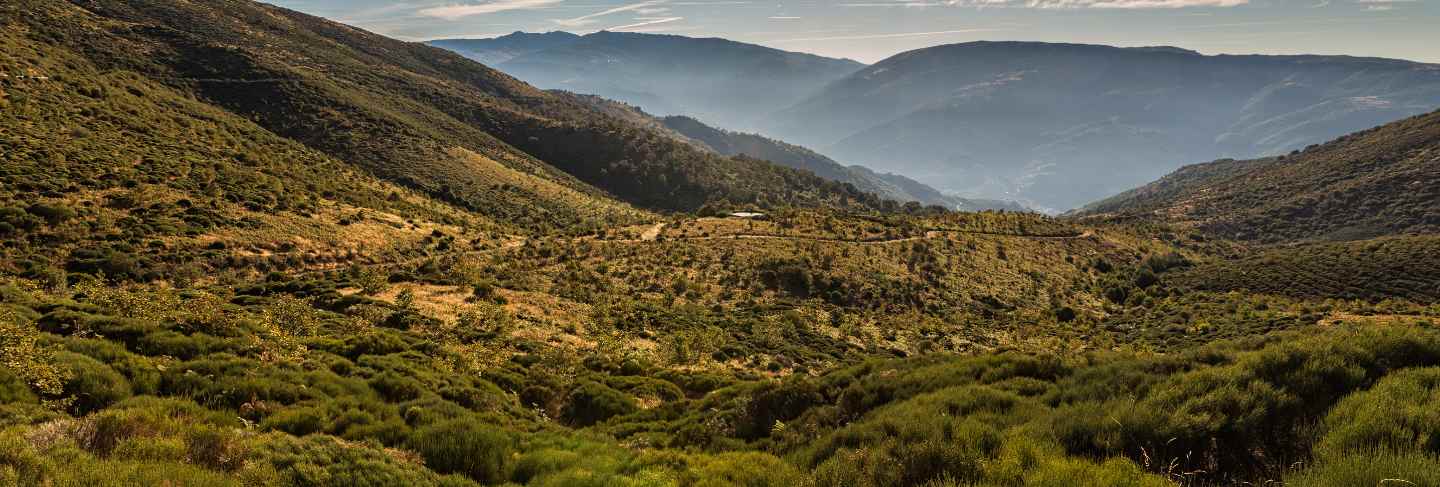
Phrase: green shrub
{"type": "Point", "coordinates": [325, 461]}
{"type": "Point", "coordinates": [746, 469]}
{"type": "Point", "coordinates": [1381, 469]}
{"type": "Point", "coordinates": [541, 462]}
{"type": "Point", "coordinates": [773, 402]}
{"type": "Point", "coordinates": [1401, 413]}
{"type": "Point", "coordinates": [1116, 472]}
{"type": "Point", "coordinates": [13, 389]}
{"type": "Point", "coordinates": [467, 447]}
{"type": "Point", "coordinates": [297, 421]}
{"type": "Point", "coordinates": [591, 402]}
{"type": "Point", "coordinates": [92, 384]}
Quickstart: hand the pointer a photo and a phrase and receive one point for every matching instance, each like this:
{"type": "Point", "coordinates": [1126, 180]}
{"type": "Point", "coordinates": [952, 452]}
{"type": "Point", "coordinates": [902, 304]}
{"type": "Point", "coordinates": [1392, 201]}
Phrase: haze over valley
{"type": "Point", "coordinates": [1054, 126]}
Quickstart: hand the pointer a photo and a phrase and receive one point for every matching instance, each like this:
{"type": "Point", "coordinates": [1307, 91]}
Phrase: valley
{"type": "Point", "coordinates": [243, 245]}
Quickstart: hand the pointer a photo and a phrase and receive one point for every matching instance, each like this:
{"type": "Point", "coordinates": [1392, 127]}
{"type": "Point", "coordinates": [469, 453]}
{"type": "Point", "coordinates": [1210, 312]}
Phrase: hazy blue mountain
{"type": "Point", "coordinates": [1058, 125]}
{"type": "Point", "coordinates": [728, 83]}
{"type": "Point", "coordinates": [889, 186]}
{"type": "Point", "coordinates": [504, 48]}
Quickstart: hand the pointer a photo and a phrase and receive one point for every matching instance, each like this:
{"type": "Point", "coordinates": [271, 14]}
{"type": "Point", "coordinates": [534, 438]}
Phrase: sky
{"type": "Point", "coordinates": [871, 30]}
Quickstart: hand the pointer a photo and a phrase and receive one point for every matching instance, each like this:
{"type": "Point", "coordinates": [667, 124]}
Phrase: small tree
{"type": "Point", "coordinates": [371, 280]}
{"type": "Point", "coordinates": [22, 352]}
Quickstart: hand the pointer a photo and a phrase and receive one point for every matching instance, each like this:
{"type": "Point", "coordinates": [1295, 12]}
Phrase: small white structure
{"type": "Point", "coordinates": [748, 215]}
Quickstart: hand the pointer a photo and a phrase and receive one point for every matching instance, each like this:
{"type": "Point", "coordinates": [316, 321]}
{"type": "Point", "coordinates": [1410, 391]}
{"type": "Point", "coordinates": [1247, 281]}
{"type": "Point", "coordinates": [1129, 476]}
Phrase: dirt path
{"type": "Point", "coordinates": [929, 235]}
{"type": "Point", "coordinates": [653, 233]}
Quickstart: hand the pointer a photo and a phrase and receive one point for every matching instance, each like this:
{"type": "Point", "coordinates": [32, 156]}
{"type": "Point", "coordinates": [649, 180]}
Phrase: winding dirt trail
{"type": "Point", "coordinates": [654, 233]}
{"type": "Point", "coordinates": [929, 235]}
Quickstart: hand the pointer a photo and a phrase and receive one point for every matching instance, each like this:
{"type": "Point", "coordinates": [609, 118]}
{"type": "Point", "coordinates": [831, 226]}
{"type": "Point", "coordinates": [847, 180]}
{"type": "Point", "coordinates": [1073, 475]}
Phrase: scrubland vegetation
{"type": "Point", "coordinates": [197, 291]}
{"type": "Point", "coordinates": [302, 382]}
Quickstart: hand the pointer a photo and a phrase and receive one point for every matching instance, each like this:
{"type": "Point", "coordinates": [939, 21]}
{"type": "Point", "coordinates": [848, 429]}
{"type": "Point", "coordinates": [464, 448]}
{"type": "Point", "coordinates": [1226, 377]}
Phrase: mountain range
{"type": "Point", "coordinates": [728, 83]}
{"type": "Point", "coordinates": [886, 185]}
{"type": "Point", "coordinates": [1052, 125]}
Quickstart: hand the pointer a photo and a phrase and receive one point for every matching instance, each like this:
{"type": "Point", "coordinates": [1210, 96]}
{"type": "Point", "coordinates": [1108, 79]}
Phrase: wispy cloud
{"type": "Point", "coordinates": [784, 17]}
{"type": "Point", "coordinates": [588, 19]}
{"type": "Point", "coordinates": [886, 36]}
{"type": "Point", "coordinates": [644, 22]}
{"type": "Point", "coordinates": [1126, 4]}
{"type": "Point", "coordinates": [453, 12]}
{"type": "Point", "coordinates": [1057, 4]}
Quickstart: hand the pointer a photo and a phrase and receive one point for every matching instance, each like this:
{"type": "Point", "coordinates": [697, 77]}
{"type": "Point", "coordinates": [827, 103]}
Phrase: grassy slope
{"type": "Point", "coordinates": [1390, 267]}
{"type": "Point", "coordinates": [107, 170]}
{"type": "Point", "coordinates": [398, 109]}
{"type": "Point", "coordinates": [1381, 181]}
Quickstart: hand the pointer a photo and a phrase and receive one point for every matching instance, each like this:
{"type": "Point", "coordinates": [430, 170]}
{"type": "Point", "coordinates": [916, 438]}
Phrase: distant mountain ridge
{"type": "Point", "coordinates": [729, 83]}
{"type": "Point", "coordinates": [1051, 125]}
{"type": "Point", "coordinates": [504, 48]}
{"type": "Point", "coordinates": [1377, 182]}
{"type": "Point", "coordinates": [890, 186]}
{"type": "Point", "coordinates": [1063, 124]}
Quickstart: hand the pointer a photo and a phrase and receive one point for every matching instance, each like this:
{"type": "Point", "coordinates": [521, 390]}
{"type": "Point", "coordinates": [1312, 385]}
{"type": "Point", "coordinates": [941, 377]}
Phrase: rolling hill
{"type": "Point", "coordinates": [415, 115]}
{"type": "Point", "coordinates": [1376, 182]}
{"type": "Point", "coordinates": [729, 83]}
{"type": "Point", "coordinates": [1064, 124]}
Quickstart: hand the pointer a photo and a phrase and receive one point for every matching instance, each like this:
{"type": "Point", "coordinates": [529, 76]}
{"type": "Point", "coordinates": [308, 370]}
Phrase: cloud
{"type": "Point", "coordinates": [453, 12]}
{"type": "Point", "coordinates": [1127, 4]}
{"type": "Point", "coordinates": [784, 17]}
{"type": "Point", "coordinates": [584, 20]}
{"type": "Point", "coordinates": [886, 36]}
{"type": "Point", "coordinates": [644, 22]}
{"type": "Point", "coordinates": [1058, 4]}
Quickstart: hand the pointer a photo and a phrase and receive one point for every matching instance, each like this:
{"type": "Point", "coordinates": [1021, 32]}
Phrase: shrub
{"type": "Point", "coordinates": [23, 353]}
{"type": "Point", "coordinates": [1400, 413]}
{"type": "Point", "coordinates": [92, 384]}
{"type": "Point", "coordinates": [773, 402]}
{"type": "Point", "coordinates": [1116, 472]}
{"type": "Point", "coordinates": [747, 469]}
{"type": "Point", "coordinates": [591, 402]}
{"type": "Point", "coordinates": [1371, 468]}
{"type": "Point", "coordinates": [545, 461]}
{"type": "Point", "coordinates": [215, 448]}
{"type": "Point", "coordinates": [52, 214]}
{"type": "Point", "coordinates": [467, 447]}
{"type": "Point", "coordinates": [13, 389]}
{"type": "Point", "coordinates": [319, 460]}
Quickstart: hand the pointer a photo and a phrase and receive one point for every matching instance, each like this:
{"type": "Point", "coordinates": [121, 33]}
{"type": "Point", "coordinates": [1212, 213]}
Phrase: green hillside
{"type": "Point", "coordinates": [243, 246]}
{"type": "Point", "coordinates": [399, 110]}
{"type": "Point", "coordinates": [1381, 181]}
